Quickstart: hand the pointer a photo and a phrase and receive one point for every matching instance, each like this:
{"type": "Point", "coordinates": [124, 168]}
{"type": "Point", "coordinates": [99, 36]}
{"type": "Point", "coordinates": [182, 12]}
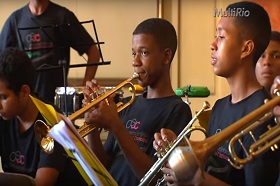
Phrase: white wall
{"type": "Point", "coordinates": [196, 26]}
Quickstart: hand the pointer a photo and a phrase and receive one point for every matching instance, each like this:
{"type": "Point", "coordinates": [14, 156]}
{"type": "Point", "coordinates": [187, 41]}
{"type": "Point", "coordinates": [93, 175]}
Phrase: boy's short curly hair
{"type": "Point", "coordinates": [275, 36]}
{"type": "Point", "coordinates": [255, 26]}
{"type": "Point", "coordinates": [162, 30]}
{"type": "Point", "coordinates": [16, 70]}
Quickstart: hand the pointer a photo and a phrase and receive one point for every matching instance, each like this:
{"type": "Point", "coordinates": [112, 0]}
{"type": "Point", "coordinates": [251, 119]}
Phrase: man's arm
{"type": "Point", "coordinates": [42, 180]}
{"type": "Point", "coordinates": [93, 57]}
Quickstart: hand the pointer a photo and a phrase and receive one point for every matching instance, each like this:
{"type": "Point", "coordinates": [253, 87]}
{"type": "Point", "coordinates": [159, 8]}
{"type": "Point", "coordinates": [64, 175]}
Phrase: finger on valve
{"type": "Point", "coordinates": [162, 147]}
{"type": "Point", "coordinates": [168, 175]}
{"type": "Point", "coordinates": [275, 86]}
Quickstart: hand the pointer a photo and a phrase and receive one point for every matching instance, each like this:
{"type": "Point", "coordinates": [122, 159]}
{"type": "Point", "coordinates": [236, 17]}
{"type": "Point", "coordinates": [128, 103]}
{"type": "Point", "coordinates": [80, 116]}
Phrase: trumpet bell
{"type": "Point", "coordinates": [41, 131]}
{"type": "Point", "coordinates": [183, 158]}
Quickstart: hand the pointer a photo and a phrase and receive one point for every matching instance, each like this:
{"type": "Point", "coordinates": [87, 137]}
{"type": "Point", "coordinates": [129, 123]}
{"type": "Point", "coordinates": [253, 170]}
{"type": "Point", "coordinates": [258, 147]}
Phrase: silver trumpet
{"type": "Point", "coordinates": [155, 169]}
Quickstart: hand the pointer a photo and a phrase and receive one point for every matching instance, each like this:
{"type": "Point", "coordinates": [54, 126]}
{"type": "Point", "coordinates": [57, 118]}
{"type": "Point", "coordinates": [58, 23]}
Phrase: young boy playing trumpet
{"type": "Point", "coordinates": [128, 152]}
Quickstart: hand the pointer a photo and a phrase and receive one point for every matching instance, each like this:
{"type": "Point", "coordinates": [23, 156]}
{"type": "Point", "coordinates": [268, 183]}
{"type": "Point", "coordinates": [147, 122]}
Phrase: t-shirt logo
{"type": "Point", "coordinates": [17, 157]}
{"type": "Point", "coordinates": [33, 38]}
{"type": "Point", "coordinates": [132, 124]}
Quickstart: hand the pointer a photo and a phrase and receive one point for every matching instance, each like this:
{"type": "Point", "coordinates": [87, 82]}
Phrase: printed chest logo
{"type": "Point", "coordinates": [17, 157]}
{"type": "Point", "coordinates": [132, 124]}
{"type": "Point", "coordinates": [33, 37]}
{"type": "Point", "coordinates": [140, 137]}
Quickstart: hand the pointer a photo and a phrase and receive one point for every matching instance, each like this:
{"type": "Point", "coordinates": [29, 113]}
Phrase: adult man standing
{"type": "Point", "coordinates": [46, 31]}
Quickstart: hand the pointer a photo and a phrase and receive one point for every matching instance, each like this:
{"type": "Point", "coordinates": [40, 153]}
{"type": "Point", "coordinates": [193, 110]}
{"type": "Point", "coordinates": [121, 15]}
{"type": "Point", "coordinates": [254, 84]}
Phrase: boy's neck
{"type": "Point", "coordinates": [37, 7]}
{"type": "Point", "coordinates": [243, 85]}
{"type": "Point", "coordinates": [28, 117]}
{"type": "Point", "coordinates": [243, 81]}
{"type": "Point", "coordinates": [242, 90]}
{"type": "Point", "coordinates": [161, 89]}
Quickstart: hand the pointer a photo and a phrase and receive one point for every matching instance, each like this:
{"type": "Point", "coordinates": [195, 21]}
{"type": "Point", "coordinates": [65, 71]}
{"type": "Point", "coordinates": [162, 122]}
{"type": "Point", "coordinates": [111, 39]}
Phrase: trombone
{"type": "Point", "coordinates": [194, 156]}
{"type": "Point", "coordinates": [42, 129]}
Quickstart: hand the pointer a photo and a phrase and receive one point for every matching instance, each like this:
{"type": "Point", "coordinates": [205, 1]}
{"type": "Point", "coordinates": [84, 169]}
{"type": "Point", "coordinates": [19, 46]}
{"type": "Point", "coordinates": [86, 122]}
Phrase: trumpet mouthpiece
{"type": "Point", "coordinates": [276, 92]}
{"type": "Point", "coordinates": [135, 75]}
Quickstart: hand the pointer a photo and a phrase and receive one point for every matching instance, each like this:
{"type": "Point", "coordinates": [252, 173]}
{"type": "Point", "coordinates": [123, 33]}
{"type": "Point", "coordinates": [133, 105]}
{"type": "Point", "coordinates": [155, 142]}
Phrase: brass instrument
{"type": "Point", "coordinates": [194, 156]}
{"type": "Point", "coordinates": [149, 176]}
{"type": "Point", "coordinates": [42, 129]}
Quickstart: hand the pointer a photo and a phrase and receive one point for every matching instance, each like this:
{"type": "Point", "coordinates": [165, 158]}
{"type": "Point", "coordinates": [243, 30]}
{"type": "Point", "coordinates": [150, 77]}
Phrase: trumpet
{"type": "Point", "coordinates": [194, 156]}
{"type": "Point", "coordinates": [42, 129]}
{"type": "Point", "coordinates": [153, 171]}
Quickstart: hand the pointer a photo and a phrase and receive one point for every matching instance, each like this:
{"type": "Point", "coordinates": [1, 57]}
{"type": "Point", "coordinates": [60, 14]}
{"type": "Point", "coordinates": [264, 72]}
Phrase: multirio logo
{"type": "Point", "coordinates": [231, 12]}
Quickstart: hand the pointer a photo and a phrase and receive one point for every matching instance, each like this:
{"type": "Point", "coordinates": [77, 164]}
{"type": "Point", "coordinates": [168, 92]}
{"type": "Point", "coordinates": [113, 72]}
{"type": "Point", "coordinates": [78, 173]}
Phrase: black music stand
{"type": "Point", "coordinates": [62, 62]}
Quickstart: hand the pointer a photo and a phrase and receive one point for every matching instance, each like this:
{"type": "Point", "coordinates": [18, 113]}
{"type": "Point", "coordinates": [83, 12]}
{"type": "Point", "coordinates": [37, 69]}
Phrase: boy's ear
{"type": "Point", "coordinates": [25, 90]}
{"type": "Point", "coordinates": [168, 54]}
{"type": "Point", "coordinates": [247, 48]}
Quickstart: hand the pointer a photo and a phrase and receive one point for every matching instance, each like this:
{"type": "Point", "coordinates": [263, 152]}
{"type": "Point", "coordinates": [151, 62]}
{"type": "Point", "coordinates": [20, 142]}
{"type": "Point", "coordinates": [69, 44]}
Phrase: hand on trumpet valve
{"type": "Point", "coordinates": [163, 141]}
{"type": "Point", "coordinates": [168, 175]}
{"type": "Point", "coordinates": [104, 115]}
{"type": "Point", "coordinates": [91, 91]}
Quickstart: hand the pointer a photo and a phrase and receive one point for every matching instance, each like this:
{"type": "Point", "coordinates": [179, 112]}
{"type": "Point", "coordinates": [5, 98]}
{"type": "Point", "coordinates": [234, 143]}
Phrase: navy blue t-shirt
{"type": "Point", "coordinates": [142, 119]}
{"type": "Point", "coordinates": [21, 153]}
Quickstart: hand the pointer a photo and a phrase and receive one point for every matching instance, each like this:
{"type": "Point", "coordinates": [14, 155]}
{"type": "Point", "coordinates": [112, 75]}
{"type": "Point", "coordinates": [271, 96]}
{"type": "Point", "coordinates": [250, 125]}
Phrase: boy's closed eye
{"type": "Point", "coordinates": [3, 97]}
{"type": "Point", "coordinates": [276, 55]}
{"type": "Point", "coordinates": [219, 37]}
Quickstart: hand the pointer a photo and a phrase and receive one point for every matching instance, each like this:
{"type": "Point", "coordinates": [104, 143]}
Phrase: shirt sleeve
{"type": "Point", "coordinates": [56, 160]}
{"type": "Point", "coordinates": [8, 36]}
{"type": "Point", "coordinates": [178, 121]}
{"type": "Point", "coordinates": [77, 35]}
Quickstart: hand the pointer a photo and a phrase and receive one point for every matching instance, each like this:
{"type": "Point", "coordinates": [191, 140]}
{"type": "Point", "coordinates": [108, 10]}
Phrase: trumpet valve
{"type": "Point", "coordinates": [161, 152]}
{"type": "Point", "coordinates": [274, 147]}
{"type": "Point", "coordinates": [163, 149]}
{"type": "Point", "coordinates": [161, 155]}
{"type": "Point", "coordinates": [119, 104]}
{"type": "Point", "coordinates": [170, 144]}
{"type": "Point", "coordinates": [95, 94]}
